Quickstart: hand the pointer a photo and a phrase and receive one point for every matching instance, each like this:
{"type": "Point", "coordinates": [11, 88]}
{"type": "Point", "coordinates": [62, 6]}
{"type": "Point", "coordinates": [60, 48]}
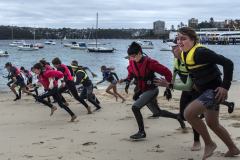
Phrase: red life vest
{"type": "Point", "coordinates": [29, 73]}
{"type": "Point", "coordinates": [142, 74]}
{"type": "Point", "coordinates": [18, 73]}
{"type": "Point", "coordinates": [45, 81]}
{"type": "Point", "coordinates": [66, 73]}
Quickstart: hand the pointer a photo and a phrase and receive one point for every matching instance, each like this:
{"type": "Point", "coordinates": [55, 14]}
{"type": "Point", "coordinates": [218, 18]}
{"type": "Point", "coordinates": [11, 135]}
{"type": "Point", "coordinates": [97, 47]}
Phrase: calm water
{"type": "Point", "coordinates": [95, 60]}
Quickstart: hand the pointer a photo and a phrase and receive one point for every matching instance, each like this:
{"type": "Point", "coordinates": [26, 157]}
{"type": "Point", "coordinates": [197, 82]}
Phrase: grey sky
{"type": "Point", "coordinates": [113, 14]}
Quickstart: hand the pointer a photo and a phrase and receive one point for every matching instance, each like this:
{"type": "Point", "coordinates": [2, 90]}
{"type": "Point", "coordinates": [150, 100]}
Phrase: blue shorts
{"type": "Point", "coordinates": [114, 81]}
{"type": "Point", "coordinates": [209, 101]}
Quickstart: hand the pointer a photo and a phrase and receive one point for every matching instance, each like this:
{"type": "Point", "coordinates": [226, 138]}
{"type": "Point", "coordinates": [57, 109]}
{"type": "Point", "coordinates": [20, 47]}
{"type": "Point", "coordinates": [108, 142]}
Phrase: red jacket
{"type": "Point", "coordinates": [152, 65]}
{"type": "Point", "coordinates": [43, 78]}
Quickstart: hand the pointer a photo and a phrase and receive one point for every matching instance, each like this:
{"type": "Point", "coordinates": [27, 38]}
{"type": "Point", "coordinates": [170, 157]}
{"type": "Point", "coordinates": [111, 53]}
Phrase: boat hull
{"type": "Point", "coordinates": [103, 50]}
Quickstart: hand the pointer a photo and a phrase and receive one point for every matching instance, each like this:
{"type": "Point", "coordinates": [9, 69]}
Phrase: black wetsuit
{"type": "Point", "coordinates": [87, 91]}
{"type": "Point", "coordinates": [70, 85]}
{"type": "Point", "coordinates": [107, 75]}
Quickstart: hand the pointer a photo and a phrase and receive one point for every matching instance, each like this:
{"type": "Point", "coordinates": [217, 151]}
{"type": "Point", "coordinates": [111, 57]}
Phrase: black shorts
{"type": "Point", "coordinates": [20, 82]}
{"type": "Point", "coordinates": [209, 101]}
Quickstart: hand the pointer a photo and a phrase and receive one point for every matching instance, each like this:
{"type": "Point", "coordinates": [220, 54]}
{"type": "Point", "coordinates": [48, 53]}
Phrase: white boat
{"type": "Point", "coordinates": [16, 43]}
{"type": "Point", "coordinates": [94, 43]}
{"type": "Point", "coordinates": [145, 44]}
{"type": "Point", "coordinates": [69, 44]}
{"type": "Point", "coordinates": [79, 45]}
{"type": "Point", "coordinates": [3, 53]}
{"type": "Point", "coordinates": [50, 42]}
{"type": "Point", "coordinates": [166, 49]}
{"type": "Point", "coordinates": [27, 47]}
{"type": "Point", "coordinates": [99, 49]}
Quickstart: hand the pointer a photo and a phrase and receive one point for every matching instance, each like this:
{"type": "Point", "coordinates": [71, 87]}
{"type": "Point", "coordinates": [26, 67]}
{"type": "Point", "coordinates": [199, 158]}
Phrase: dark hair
{"type": "Point", "coordinates": [56, 61]}
{"type": "Point", "coordinates": [38, 66]}
{"type": "Point", "coordinates": [48, 63]}
{"type": "Point", "coordinates": [22, 68]}
{"type": "Point", "coordinates": [134, 48]}
{"type": "Point", "coordinates": [105, 68]}
{"type": "Point", "coordinates": [43, 61]}
{"type": "Point", "coordinates": [190, 32]}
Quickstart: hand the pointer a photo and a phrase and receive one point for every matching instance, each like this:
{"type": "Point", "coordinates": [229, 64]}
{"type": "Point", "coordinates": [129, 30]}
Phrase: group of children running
{"type": "Point", "coordinates": [203, 89]}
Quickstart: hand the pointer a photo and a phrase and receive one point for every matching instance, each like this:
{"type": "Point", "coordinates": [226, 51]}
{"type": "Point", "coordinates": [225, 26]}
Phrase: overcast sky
{"type": "Point", "coordinates": [113, 13]}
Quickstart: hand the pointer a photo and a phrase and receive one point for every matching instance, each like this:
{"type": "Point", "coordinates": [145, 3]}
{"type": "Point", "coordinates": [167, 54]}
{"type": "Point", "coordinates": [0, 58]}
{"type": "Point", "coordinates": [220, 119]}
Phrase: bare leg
{"type": "Point", "coordinates": [191, 113]}
{"type": "Point", "coordinates": [212, 120]}
{"type": "Point", "coordinates": [25, 91]}
{"type": "Point", "coordinates": [13, 88]}
{"type": "Point", "coordinates": [108, 90]}
{"type": "Point", "coordinates": [115, 92]}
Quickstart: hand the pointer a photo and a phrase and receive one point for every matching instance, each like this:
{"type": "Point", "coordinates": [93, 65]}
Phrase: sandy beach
{"type": "Point", "coordinates": [28, 132]}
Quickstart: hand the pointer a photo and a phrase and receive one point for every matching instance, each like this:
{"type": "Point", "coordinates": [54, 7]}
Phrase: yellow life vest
{"type": "Point", "coordinates": [190, 58]}
{"type": "Point", "coordinates": [85, 77]}
{"type": "Point", "coordinates": [180, 67]}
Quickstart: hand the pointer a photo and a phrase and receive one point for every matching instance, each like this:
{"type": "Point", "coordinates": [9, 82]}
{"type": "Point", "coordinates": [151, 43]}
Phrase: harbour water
{"type": "Point", "coordinates": [95, 60]}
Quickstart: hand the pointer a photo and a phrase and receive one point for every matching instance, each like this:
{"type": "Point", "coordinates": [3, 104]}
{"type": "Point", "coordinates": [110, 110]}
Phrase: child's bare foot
{"type": "Point", "coordinates": [53, 109]}
{"type": "Point", "coordinates": [89, 110]}
{"type": "Point", "coordinates": [66, 104]}
{"type": "Point", "coordinates": [232, 153]}
{"type": "Point", "coordinates": [196, 146]}
{"type": "Point", "coordinates": [123, 100]}
{"type": "Point", "coordinates": [73, 118]}
{"type": "Point", "coordinates": [116, 98]}
{"type": "Point", "coordinates": [208, 151]}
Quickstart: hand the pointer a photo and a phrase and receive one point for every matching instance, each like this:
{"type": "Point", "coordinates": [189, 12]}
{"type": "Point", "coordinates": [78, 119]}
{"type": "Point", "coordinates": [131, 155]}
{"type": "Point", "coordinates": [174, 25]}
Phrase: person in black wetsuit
{"type": "Point", "coordinates": [70, 85]}
{"type": "Point", "coordinates": [108, 75]}
{"type": "Point", "coordinates": [143, 68]}
{"type": "Point", "coordinates": [17, 76]}
{"type": "Point", "coordinates": [12, 81]}
{"type": "Point", "coordinates": [87, 90]}
{"type": "Point", "coordinates": [28, 75]}
{"type": "Point", "coordinates": [202, 66]}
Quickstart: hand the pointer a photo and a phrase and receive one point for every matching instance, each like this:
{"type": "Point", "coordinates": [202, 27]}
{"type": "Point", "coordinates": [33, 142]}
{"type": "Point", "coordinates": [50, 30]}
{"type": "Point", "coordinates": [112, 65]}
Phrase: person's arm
{"type": "Point", "coordinates": [184, 87]}
{"type": "Point", "coordinates": [204, 55]}
{"type": "Point", "coordinates": [113, 73]}
{"type": "Point", "coordinates": [160, 69]}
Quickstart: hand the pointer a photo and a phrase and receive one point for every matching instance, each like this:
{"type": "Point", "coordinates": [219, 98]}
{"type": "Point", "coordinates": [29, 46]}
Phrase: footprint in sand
{"type": "Point", "coordinates": [89, 143]}
{"type": "Point", "coordinates": [125, 139]}
{"type": "Point", "coordinates": [115, 133]}
{"type": "Point", "coordinates": [59, 138]}
{"type": "Point", "coordinates": [238, 138]}
{"type": "Point", "coordinates": [236, 125]}
{"type": "Point", "coordinates": [93, 132]}
{"type": "Point", "coordinates": [155, 150]}
{"type": "Point", "coordinates": [27, 156]}
{"type": "Point", "coordinates": [127, 118]}
{"type": "Point", "coordinates": [217, 154]}
{"type": "Point", "coordinates": [38, 143]}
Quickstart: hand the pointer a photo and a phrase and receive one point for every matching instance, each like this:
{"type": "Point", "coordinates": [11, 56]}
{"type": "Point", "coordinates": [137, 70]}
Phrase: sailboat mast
{"type": "Point", "coordinates": [96, 29]}
{"type": "Point", "coordinates": [12, 32]}
{"type": "Point", "coordinates": [34, 35]}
